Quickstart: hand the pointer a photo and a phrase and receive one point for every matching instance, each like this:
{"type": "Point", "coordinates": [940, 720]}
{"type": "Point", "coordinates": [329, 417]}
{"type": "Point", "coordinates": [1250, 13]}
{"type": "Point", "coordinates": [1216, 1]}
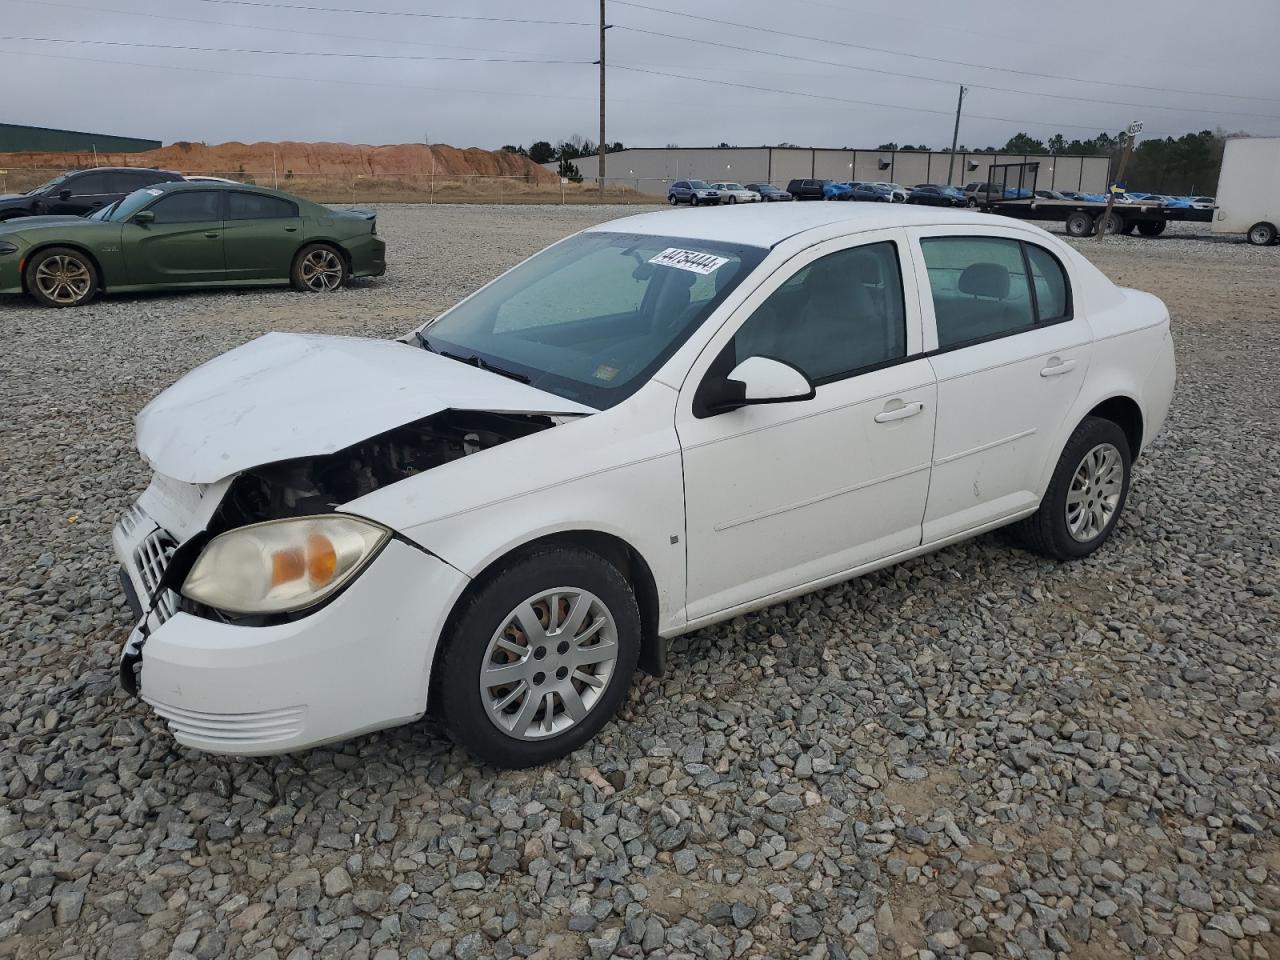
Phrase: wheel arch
{"type": "Point", "coordinates": [1124, 411]}
{"type": "Point", "coordinates": [625, 557]}
{"type": "Point", "coordinates": [70, 245]}
{"type": "Point", "coordinates": [324, 241]}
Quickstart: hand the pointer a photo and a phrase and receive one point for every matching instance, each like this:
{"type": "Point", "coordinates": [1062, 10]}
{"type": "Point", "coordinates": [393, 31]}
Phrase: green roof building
{"type": "Point", "coordinates": [15, 139]}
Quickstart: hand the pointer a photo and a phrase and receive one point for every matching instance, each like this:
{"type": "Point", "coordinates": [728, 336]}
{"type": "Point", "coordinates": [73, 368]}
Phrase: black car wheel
{"type": "Point", "coordinates": [540, 657]}
{"type": "Point", "coordinates": [671, 199]}
{"type": "Point", "coordinates": [61, 277]}
{"type": "Point", "coordinates": [319, 268]}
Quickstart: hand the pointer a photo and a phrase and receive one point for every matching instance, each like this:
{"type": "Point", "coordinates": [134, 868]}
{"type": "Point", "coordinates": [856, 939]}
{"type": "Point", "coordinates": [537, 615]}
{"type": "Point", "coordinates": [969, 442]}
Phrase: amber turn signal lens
{"type": "Point", "coordinates": [322, 559]}
{"type": "Point", "coordinates": [286, 566]}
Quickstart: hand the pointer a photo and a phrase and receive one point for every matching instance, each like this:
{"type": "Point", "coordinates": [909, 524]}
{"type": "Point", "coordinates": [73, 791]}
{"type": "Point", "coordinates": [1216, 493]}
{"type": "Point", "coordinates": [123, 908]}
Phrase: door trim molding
{"type": "Point", "coordinates": [982, 448]}
{"type": "Point", "coordinates": [729, 524]}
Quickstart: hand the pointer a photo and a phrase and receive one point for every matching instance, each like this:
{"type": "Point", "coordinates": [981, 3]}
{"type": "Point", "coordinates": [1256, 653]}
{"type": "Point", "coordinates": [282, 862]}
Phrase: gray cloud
{"type": "Point", "coordinates": [173, 94]}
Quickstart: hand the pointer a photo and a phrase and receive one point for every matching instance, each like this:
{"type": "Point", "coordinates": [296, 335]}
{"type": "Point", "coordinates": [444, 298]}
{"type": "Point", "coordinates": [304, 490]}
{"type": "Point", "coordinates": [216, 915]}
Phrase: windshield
{"type": "Point", "coordinates": [47, 185]}
{"type": "Point", "coordinates": [126, 208]}
{"type": "Point", "coordinates": [699, 185]}
{"type": "Point", "coordinates": [733, 186]}
{"type": "Point", "coordinates": [103, 213]}
{"type": "Point", "coordinates": [591, 318]}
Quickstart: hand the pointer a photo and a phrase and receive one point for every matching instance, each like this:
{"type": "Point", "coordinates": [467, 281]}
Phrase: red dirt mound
{"type": "Point", "coordinates": [259, 160]}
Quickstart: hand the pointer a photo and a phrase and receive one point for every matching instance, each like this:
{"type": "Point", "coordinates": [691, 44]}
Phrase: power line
{"type": "Point", "coordinates": [256, 26]}
{"type": "Point", "coordinates": [399, 13]}
{"type": "Point", "coordinates": [916, 76]}
{"type": "Point", "coordinates": [289, 53]}
{"type": "Point", "coordinates": [913, 56]}
{"type": "Point", "coordinates": [336, 81]}
{"type": "Point", "coordinates": [866, 103]}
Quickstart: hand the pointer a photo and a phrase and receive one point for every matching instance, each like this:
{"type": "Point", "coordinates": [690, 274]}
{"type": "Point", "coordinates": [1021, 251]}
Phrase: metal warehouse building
{"type": "Point", "coordinates": [651, 170]}
{"type": "Point", "coordinates": [15, 139]}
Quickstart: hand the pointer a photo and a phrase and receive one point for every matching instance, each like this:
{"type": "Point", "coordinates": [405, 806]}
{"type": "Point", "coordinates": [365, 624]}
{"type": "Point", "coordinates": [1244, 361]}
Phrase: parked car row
{"type": "Point", "coordinates": [98, 231]}
{"type": "Point", "coordinates": [700, 193]}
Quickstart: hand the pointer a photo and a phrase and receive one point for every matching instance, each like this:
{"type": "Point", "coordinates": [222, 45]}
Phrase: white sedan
{"type": "Point", "coordinates": [651, 426]}
{"type": "Point", "coordinates": [736, 193]}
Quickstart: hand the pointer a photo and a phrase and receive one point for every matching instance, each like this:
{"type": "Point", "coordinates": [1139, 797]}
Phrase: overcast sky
{"type": "Point", "coordinates": [1151, 53]}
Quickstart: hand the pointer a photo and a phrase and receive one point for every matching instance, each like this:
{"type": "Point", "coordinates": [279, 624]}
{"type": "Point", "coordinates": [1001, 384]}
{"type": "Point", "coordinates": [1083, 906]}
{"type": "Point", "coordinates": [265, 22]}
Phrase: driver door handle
{"type": "Point", "coordinates": [212, 236]}
{"type": "Point", "coordinates": [897, 410]}
{"type": "Point", "coordinates": [1056, 367]}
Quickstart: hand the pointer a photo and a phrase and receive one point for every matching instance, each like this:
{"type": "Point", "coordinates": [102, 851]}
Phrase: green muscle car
{"type": "Point", "coordinates": [189, 234]}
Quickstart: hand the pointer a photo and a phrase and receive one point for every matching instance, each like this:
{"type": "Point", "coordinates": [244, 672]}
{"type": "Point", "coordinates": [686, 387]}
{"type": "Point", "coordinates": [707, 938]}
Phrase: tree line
{"type": "Point", "coordinates": [566, 151]}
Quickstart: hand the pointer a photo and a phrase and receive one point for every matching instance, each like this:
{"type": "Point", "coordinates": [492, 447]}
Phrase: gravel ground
{"type": "Point", "coordinates": [978, 753]}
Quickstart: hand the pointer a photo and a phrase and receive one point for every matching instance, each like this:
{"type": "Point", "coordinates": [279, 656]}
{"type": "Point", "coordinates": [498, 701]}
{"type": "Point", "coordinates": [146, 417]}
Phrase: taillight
{"type": "Point", "coordinates": [373, 226]}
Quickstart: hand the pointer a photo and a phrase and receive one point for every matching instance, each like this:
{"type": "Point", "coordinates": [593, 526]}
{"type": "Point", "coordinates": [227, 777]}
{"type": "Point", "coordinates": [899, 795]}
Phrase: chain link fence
{"type": "Point", "coordinates": [388, 187]}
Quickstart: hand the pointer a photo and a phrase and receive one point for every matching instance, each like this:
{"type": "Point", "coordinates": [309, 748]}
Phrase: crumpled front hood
{"type": "Point", "coordinates": [289, 395]}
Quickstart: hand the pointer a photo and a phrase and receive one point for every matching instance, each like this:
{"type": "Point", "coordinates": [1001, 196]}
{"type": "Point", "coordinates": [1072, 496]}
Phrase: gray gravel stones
{"type": "Point", "coordinates": [974, 754]}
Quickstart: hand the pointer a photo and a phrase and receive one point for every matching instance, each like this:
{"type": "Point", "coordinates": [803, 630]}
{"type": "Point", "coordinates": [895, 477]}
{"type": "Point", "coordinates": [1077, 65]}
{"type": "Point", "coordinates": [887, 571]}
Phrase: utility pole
{"type": "Point", "coordinates": [1132, 135]}
{"type": "Point", "coordinates": [600, 149]}
{"type": "Point", "coordinates": [955, 134]}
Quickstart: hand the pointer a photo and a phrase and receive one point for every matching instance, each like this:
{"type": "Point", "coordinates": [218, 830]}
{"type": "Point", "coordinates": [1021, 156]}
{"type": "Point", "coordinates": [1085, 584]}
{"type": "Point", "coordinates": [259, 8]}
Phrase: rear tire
{"type": "Point", "coordinates": [1086, 495]}
{"type": "Point", "coordinates": [1113, 223]}
{"type": "Point", "coordinates": [485, 636]}
{"type": "Point", "coordinates": [1152, 228]}
{"type": "Point", "coordinates": [61, 277]}
{"type": "Point", "coordinates": [1262, 234]}
{"type": "Point", "coordinates": [1079, 224]}
{"type": "Point", "coordinates": [671, 199]}
{"type": "Point", "coordinates": [319, 268]}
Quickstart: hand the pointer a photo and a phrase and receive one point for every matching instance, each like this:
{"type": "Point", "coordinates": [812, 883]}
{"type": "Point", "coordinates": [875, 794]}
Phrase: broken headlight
{"type": "Point", "coordinates": [282, 565]}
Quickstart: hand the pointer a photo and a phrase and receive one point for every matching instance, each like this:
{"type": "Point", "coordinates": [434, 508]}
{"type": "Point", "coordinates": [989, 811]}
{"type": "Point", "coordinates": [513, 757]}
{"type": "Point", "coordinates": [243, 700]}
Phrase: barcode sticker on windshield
{"type": "Point", "coordinates": [690, 260]}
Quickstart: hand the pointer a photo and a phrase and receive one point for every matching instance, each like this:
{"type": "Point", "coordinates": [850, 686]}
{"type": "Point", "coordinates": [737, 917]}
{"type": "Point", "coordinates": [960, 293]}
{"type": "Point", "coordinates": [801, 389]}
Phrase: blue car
{"type": "Point", "coordinates": [837, 190]}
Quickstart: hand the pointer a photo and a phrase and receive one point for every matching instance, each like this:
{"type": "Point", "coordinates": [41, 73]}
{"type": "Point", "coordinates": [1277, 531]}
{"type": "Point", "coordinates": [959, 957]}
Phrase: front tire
{"type": "Point", "coordinates": [1262, 234]}
{"type": "Point", "coordinates": [319, 268]}
{"type": "Point", "coordinates": [61, 277]}
{"type": "Point", "coordinates": [1086, 495]}
{"type": "Point", "coordinates": [540, 657]}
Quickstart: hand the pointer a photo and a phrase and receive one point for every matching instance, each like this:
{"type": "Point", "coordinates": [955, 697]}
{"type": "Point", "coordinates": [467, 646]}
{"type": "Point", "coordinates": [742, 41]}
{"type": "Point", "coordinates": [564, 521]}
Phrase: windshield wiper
{"type": "Point", "coordinates": [421, 339]}
{"type": "Point", "coordinates": [475, 361]}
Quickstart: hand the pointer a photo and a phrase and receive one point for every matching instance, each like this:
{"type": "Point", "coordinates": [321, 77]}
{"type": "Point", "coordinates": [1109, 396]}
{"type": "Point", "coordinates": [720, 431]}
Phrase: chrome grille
{"type": "Point", "coordinates": [151, 559]}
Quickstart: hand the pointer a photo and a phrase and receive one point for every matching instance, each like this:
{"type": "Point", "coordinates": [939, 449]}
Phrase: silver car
{"type": "Point", "coordinates": [735, 193]}
{"type": "Point", "coordinates": [692, 192]}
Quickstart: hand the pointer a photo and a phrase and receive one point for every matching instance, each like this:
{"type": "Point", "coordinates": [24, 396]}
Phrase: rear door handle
{"type": "Point", "coordinates": [1056, 367]}
{"type": "Point", "coordinates": [290, 229]}
{"type": "Point", "coordinates": [212, 236]}
{"type": "Point", "coordinates": [897, 410]}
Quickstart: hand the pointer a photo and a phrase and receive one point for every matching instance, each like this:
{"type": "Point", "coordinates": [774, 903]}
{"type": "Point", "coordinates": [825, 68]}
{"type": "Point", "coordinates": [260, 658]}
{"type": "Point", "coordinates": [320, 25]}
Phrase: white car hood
{"type": "Point", "coordinates": [288, 395]}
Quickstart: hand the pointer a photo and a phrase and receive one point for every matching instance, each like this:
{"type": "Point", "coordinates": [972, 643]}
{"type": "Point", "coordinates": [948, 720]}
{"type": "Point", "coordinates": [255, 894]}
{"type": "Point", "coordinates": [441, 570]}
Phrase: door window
{"type": "Point", "coordinates": [980, 288]}
{"type": "Point", "coordinates": [257, 206]}
{"type": "Point", "coordinates": [91, 184]}
{"type": "Point", "coordinates": [834, 317]}
{"type": "Point", "coordinates": [191, 206]}
{"type": "Point", "coordinates": [1053, 293]}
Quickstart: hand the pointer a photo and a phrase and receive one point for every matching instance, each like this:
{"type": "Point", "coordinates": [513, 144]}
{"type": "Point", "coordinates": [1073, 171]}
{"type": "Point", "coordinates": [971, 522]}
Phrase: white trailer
{"type": "Point", "coordinates": [1248, 198]}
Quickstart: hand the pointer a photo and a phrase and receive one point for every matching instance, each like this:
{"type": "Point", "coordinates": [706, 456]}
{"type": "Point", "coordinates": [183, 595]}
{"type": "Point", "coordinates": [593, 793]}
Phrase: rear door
{"type": "Point", "coordinates": [1010, 353]}
{"type": "Point", "coordinates": [81, 194]}
{"type": "Point", "coordinates": [184, 243]}
{"type": "Point", "coordinates": [261, 233]}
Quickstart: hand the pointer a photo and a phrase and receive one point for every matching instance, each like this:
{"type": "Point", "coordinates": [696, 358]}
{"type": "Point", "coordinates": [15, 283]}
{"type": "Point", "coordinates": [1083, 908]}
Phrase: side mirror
{"type": "Point", "coordinates": [64, 195]}
{"type": "Point", "coordinates": [757, 380]}
{"type": "Point", "coordinates": [143, 217]}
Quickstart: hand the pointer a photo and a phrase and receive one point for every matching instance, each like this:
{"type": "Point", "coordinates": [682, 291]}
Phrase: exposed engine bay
{"type": "Point", "coordinates": [315, 485]}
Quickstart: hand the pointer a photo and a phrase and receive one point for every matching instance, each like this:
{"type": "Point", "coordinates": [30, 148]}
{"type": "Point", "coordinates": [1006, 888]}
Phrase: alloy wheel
{"type": "Point", "coordinates": [1094, 492]}
{"type": "Point", "coordinates": [548, 664]}
{"type": "Point", "coordinates": [63, 279]}
{"type": "Point", "coordinates": [321, 270]}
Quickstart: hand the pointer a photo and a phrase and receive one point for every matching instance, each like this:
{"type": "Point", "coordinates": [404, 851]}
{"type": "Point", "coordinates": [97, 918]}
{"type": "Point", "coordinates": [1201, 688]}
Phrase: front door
{"type": "Point", "coordinates": [183, 245]}
{"type": "Point", "coordinates": [260, 236]}
{"type": "Point", "coordinates": [1011, 356]}
{"type": "Point", "coordinates": [782, 495]}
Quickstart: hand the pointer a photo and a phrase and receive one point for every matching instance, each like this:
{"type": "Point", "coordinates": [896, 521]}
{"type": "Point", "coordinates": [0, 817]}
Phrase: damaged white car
{"type": "Point", "coordinates": [651, 426]}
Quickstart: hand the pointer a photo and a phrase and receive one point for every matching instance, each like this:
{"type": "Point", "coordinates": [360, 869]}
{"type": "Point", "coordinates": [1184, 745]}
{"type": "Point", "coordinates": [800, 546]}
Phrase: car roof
{"type": "Point", "coordinates": [174, 186]}
{"type": "Point", "coordinates": [123, 170]}
{"type": "Point", "coordinates": [765, 225]}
